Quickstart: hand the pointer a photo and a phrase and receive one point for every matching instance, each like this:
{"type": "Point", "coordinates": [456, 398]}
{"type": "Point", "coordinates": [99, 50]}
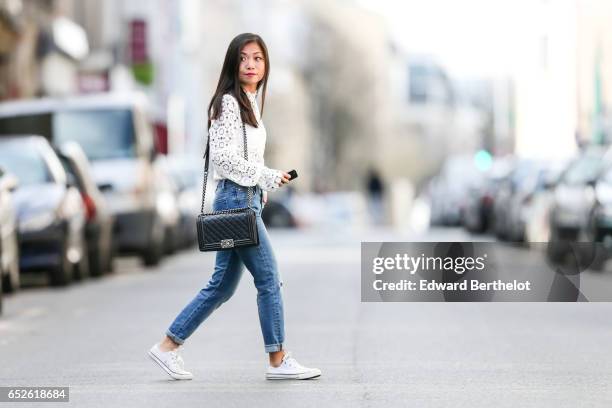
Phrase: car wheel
{"type": "Point", "coordinates": [170, 241]}
{"type": "Point", "coordinates": [498, 229]}
{"type": "Point", "coordinates": [98, 264]}
{"type": "Point", "coordinates": [96, 268]}
{"type": "Point", "coordinates": [109, 264]}
{"type": "Point", "coordinates": [557, 247]}
{"type": "Point", "coordinates": [12, 280]}
{"type": "Point", "coordinates": [152, 255]}
{"type": "Point", "coordinates": [82, 267]}
{"type": "Point", "coordinates": [62, 274]}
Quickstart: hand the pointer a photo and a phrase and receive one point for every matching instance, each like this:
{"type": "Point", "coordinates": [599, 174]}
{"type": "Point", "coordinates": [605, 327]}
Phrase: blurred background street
{"type": "Point", "coordinates": [92, 338]}
{"type": "Point", "coordinates": [436, 121]}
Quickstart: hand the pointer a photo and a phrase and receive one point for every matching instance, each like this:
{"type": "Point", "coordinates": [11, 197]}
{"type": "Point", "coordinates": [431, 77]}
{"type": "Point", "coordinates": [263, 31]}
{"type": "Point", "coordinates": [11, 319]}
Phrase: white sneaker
{"type": "Point", "coordinates": [171, 362]}
{"type": "Point", "coordinates": [290, 369]}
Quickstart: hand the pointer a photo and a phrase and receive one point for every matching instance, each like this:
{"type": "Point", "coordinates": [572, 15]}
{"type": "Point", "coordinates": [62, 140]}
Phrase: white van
{"type": "Point", "coordinates": [117, 138]}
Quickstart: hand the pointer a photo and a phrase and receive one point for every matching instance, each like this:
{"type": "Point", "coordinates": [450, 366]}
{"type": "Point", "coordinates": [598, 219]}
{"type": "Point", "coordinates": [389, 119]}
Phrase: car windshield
{"type": "Point", "coordinates": [103, 134]}
{"type": "Point", "coordinates": [26, 164]}
{"type": "Point", "coordinates": [583, 170]}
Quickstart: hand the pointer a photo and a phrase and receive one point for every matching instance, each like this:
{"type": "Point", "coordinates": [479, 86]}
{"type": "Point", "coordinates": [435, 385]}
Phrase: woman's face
{"type": "Point", "coordinates": [252, 66]}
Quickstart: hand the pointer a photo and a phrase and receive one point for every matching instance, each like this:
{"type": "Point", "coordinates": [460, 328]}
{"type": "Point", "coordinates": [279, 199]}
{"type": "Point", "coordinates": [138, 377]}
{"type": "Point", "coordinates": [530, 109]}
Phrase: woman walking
{"type": "Point", "coordinates": [244, 73]}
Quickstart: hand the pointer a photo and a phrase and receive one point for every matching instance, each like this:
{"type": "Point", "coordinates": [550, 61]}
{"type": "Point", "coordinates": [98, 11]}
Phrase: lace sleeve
{"type": "Point", "coordinates": [227, 161]}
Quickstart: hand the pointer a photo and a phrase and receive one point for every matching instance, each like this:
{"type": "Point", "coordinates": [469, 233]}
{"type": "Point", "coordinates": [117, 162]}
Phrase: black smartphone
{"type": "Point", "coordinates": [293, 174]}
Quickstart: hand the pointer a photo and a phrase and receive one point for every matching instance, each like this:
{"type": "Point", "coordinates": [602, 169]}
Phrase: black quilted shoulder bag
{"type": "Point", "coordinates": [226, 229]}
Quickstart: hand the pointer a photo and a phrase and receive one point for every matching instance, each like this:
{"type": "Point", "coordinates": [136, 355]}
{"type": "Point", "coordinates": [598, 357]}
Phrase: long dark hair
{"type": "Point", "coordinates": [229, 81]}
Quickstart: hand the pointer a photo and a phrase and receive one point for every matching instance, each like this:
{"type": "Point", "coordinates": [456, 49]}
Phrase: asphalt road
{"type": "Point", "coordinates": [94, 337]}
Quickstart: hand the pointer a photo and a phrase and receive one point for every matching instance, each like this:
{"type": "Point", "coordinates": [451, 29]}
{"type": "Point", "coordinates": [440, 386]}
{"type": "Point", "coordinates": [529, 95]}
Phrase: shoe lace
{"type": "Point", "coordinates": [290, 360]}
{"type": "Point", "coordinates": [175, 356]}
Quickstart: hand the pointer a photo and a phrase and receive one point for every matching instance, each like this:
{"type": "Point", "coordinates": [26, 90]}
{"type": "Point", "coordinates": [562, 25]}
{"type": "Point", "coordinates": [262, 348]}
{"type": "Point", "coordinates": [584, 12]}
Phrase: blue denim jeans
{"type": "Point", "coordinates": [229, 265]}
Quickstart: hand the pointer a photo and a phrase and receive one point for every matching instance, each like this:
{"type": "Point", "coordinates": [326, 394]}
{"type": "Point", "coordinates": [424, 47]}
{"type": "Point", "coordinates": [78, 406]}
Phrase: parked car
{"type": "Point", "coordinates": [477, 208]}
{"type": "Point", "coordinates": [449, 189]}
{"type": "Point", "coordinates": [599, 225]}
{"type": "Point", "coordinates": [9, 257]}
{"type": "Point", "coordinates": [536, 207]}
{"type": "Point", "coordinates": [1, 289]}
{"type": "Point", "coordinates": [530, 180]}
{"type": "Point", "coordinates": [477, 211]}
{"type": "Point", "coordinates": [511, 192]}
{"type": "Point", "coordinates": [187, 173]}
{"type": "Point", "coordinates": [99, 220]}
{"type": "Point", "coordinates": [573, 201]}
{"type": "Point", "coordinates": [117, 138]}
{"type": "Point", "coordinates": [167, 207]}
{"type": "Point", "coordinates": [50, 212]}
{"type": "Point", "coordinates": [276, 214]}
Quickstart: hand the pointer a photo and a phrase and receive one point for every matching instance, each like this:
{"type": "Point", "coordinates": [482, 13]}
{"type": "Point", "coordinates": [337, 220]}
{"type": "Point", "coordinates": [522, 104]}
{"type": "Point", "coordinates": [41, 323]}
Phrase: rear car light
{"type": "Point", "coordinates": [90, 207]}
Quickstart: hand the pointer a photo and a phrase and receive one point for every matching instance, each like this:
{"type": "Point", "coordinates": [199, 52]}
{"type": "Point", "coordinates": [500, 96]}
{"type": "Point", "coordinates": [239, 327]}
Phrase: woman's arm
{"type": "Point", "coordinates": [230, 164]}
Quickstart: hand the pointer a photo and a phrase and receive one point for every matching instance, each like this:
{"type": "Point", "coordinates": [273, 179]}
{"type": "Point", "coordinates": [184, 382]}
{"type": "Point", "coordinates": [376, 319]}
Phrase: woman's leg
{"type": "Point", "coordinates": [222, 285]}
{"type": "Point", "coordinates": [261, 262]}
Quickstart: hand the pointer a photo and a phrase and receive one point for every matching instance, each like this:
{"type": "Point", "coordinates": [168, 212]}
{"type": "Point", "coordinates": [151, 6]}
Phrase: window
{"type": "Point", "coordinates": [103, 134]}
{"type": "Point", "coordinates": [37, 124]}
{"type": "Point", "coordinates": [583, 170]}
{"type": "Point", "coordinates": [25, 162]}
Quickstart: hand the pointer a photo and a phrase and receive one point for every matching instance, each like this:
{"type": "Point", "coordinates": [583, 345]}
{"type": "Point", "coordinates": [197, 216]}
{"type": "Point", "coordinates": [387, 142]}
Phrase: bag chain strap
{"type": "Point", "coordinates": [206, 154]}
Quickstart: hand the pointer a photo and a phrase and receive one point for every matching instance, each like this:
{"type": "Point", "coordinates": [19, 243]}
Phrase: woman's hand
{"type": "Point", "coordinates": [265, 197]}
{"type": "Point", "coordinates": [284, 179]}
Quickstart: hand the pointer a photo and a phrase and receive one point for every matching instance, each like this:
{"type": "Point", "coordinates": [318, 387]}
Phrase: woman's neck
{"type": "Point", "coordinates": [249, 89]}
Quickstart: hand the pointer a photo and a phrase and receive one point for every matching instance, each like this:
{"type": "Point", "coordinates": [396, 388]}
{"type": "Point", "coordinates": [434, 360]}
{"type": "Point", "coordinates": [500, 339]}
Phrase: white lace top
{"type": "Point", "coordinates": [227, 147]}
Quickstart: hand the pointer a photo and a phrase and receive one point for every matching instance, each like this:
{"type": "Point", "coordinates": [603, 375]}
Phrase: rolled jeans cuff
{"type": "Point", "coordinates": [174, 338]}
{"type": "Point", "coordinates": [273, 347]}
